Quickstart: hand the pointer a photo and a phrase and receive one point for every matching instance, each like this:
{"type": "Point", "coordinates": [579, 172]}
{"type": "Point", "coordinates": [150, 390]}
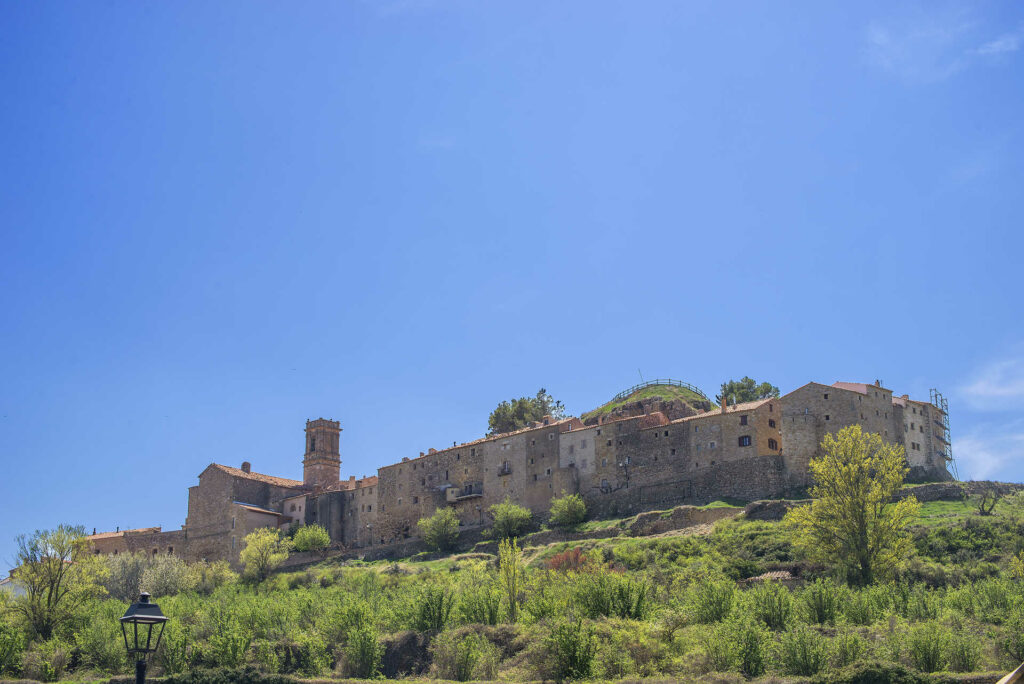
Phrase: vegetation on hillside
{"type": "Point", "coordinates": [665, 392]}
{"type": "Point", "coordinates": [678, 606]}
{"type": "Point", "coordinates": [516, 414]}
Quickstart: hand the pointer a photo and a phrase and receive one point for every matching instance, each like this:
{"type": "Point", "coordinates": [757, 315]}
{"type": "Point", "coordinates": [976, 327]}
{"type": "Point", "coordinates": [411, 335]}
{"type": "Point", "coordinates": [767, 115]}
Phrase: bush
{"type": "Point", "coordinates": [858, 608]}
{"type": "Point", "coordinates": [927, 648]}
{"type": "Point", "coordinates": [99, 641]}
{"type": "Point", "coordinates": [463, 658]}
{"type": "Point", "coordinates": [877, 673]}
{"type": "Point", "coordinates": [802, 651]}
{"type": "Point", "coordinates": [208, 577]}
{"type": "Point", "coordinates": [567, 510]}
{"type": "Point", "coordinates": [264, 550]}
{"type": "Point", "coordinates": [847, 647]}
{"type": "Point", "coordinates": [571, 647]}
{"type": "Point", "coordinates": [363, 653]}
{"type": "Point", "coordinates": [822, 601]}
{"type": "Point", "coordinates": [510, 519]}
{"type": "Point", "coordinates": [440, 531]}
{"type": "Point", "coordinates": [606, 594]}
{"type": "Point", "coordinates": [177, 650]}
{"type": "Point", "coordinates": [433, 608]}
{"type": "Point", "coordinates": [124, 575]}
{"type": "Point", "coordinates": [480, 602]}
{"type": "Point", "coordinates": [12, 644]}
{"type": "Point", "coordinates": [1012, 643]}
{"type": "Point", "coordinates": [712, 601]}
{"type": "Point", "coordinates": [46, 661]}
{"type": "Point", "coordinates": [772, 604]}
{"type": "Point", "coordinates": [312, 538]}
{"type": "Point", "coordinates": [964, 653]}
{"type": "Point", "coordinates": [739, 644]}
{"type": "Point", "coordinates": [166, 576]}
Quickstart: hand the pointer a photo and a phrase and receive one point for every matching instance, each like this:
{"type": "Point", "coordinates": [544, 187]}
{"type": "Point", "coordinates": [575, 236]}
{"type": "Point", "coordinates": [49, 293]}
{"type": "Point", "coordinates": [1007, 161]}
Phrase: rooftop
{"type": "Point", "coordinates": [259, 477]}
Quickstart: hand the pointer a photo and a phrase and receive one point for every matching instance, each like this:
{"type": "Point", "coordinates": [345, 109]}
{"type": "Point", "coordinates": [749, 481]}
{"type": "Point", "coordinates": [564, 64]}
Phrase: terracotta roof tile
{"type": "Point", "coordinates": [737, 408]}
{"type": "Point", "coordinates": [121, 533]}
{"type": "Point", "coordinates": [259, 477]}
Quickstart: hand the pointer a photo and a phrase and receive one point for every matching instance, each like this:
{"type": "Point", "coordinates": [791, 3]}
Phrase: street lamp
{"type": "Point", "coordinates": [137, 624]}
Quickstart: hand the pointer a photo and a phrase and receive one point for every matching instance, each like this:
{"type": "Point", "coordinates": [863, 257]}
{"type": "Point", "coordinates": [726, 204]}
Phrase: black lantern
{"type": "Point", "coordinates": [137, 627]}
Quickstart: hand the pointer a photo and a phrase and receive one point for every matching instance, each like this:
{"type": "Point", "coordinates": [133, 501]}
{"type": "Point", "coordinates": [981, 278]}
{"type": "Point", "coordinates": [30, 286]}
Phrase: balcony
{"type": "Point", "coordinates": [505, 469]}
{"type": "Point", "coordinates": [467, 491]}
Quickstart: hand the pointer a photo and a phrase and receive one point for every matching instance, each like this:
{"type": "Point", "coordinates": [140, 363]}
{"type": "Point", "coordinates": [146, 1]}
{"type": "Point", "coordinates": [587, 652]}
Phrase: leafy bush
{"type": "Point", "coordinates": [570, 560]}
{"type": "Point", "coordinates": [263, 551]}
{"type": "Point", "coordinates": [312, 538]}
{"type": "Point", "coordinates": [440, 531]}
{"type": "Point", "coordinates": [433, 608]}
{"type": "Point", "coordinates": [46, 661]}
{"type": "Point", "coordinates": [772, 604]}
{"type": "Point", "coordinates": [858, 608]}
{"type": "Point", "coordinates": [712, 601]}
{"type": "Point", "coordinates": [847, 647]}
{"type": "Point", "coordinates": [12, 644]}
{"type": "Point", "coordinates": [822, 600]}
{"type": "Point", "coordinates": [463, 658]}
{"type": "Point", "coordinates": [927, 646]}
{"type": "Point", "coordinates": [510, 572]}
{"type": "Point", "coordinates": [177, 650]}
{"type": "Point", "coordinates": [607, 594]}
{"type": "Point", "coordinates": [99, 641]}
{"type": "Point", "coordinates": [1012, 642]}
{"type": "Point", "coordinates": [123, 579]}
{"type": "Point", "coordinates": [739, 643]}
{"type": "Point", "coordinates": [571, 647]}
{"type": "Point", "coordinates": [964, 652]}
{"type": "Point", "coordinates": [567, 510]}
{"type": "Point", "coordinates": [363, 653]}
{"type": "Point", "coordinates": [481, 602]}
{"type": "Point", "coordinates": [802, 651]}
{"type": "Point", "coordinates": [166, 576]}
{"type": "Point", "coordinates": [510, 519]}
{"type": "Point", "coordinates": [207, 577]}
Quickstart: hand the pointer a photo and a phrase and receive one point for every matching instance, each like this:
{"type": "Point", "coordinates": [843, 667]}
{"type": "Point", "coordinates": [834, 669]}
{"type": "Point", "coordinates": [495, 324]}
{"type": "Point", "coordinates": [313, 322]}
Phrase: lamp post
{"type": "Point", "coordinates": [137, 625]}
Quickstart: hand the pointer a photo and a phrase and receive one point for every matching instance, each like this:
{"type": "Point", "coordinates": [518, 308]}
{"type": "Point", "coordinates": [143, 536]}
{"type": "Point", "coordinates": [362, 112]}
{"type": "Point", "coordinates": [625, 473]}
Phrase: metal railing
{"type": "Point", "coordinates": [649, 383]}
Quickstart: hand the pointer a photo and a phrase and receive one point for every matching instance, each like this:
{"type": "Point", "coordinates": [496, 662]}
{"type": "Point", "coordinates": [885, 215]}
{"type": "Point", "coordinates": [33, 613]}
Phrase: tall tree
{"type": "Point", "coordinates": [746, 389]}
{"type": "Point", "coordinates": [518, 413]}
{"type": "Point", "coordinates": [264, 550]}
{"type": "Point", "coordinates": [58, 573]}
{"type": "Point", "coordinates": [853, 519]}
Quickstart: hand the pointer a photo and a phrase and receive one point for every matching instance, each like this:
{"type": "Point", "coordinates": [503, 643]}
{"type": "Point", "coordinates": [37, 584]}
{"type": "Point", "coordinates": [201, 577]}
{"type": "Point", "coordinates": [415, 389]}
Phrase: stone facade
{"type": "Point", "coordinates": [645, 455]}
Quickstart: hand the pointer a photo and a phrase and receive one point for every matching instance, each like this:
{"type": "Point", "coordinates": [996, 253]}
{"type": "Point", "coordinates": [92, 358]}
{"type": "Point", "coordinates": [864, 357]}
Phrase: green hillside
{"type": "Point", "coordinates": [666, 392]}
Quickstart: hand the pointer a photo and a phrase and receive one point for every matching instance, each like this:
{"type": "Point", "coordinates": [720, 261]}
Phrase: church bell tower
{"type": "Point", "coordinates": [321, 466]}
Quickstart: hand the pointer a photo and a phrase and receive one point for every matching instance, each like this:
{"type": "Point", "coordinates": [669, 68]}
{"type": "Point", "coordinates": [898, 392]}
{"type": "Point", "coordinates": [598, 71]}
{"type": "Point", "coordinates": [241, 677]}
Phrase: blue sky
{"type": "Point", "coordinates": [221, 219]}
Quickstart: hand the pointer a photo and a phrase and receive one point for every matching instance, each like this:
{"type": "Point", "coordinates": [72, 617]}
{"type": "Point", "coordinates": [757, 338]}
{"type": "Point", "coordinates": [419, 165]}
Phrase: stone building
{"type": "Point", "coordinates": [643, 455]}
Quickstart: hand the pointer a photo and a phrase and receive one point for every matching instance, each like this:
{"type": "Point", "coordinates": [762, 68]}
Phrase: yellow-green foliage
{"type": "Point", "coordinates": [853, 519]}
{"type": "Point", "coordinates": [264, 549]}
{"type": "Point", "coordinates": [311, 538]}
{"type": "Point", "coordinates": [440, 531]}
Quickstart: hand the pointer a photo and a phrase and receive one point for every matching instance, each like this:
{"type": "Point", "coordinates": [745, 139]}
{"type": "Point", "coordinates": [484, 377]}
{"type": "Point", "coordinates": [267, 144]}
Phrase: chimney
{"type": "Point", "coordinates": [725, 401]}
{"type": "Point", "coordinates": [352, 480]}
{"type": "Point", "coordinates": [246, 467]}
{"type": "Point", "coordinates": [118, 529]}
{"type": "Point", "coordinates": [94, 531]}
{"type": "Point", "coordinates": [878, 383]}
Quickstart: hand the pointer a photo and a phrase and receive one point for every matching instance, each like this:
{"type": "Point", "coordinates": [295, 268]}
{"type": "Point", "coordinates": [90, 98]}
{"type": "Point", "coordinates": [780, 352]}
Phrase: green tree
{"type": "Point", "coordinates": [510, 571]}
{"type": "Point", "coordinates": [853, 519]}
{"type": "Point", "coordinates": [264, 550]}
{"type": "Point", "coordinates": [518, 413]}
{"type": "Point", "coordinates": [58, 573]}
{"type": "Point", "coordinates": [311, 538]}
{"type": "Point", "coordinates": [510, 519]}
{"type": "Point", "coordinates": [568, 510]}
{"type": "Point", "coordinates": [440, 531]}
{"type": "Point", "coordinates": [746, 389]}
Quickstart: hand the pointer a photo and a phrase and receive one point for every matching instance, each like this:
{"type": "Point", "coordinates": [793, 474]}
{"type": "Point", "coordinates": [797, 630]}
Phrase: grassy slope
{"type": "Point", "coordinates": [667, 392]}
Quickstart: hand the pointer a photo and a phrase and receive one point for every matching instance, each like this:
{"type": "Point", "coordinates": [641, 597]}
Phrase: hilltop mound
{"type": "Point", "coordinates": [668, 396]}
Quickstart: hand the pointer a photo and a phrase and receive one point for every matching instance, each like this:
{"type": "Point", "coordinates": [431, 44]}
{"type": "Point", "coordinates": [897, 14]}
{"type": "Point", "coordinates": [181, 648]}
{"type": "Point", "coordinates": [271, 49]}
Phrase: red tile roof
{"type": "Point", "coordinates": [737, 408]}
{"type": "Point", "coordinates": [259, 477]}
{"type": "Point", "coordinates": [121, 533]}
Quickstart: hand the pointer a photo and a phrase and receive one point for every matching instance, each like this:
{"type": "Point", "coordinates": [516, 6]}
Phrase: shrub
{"type": "Point", "coordinates": [208, 577]}
{"type": "Point", "coordinates": [46, 661]}
{"type": "Point", "coordinates": [177, 649]}
{"type": "Point", "coordinates": [964, 653]}
{"type": "Point", "coordinates": [265, 549]}
{"type": "Point", "coordinates": [440, 531]}
{"type": "Point", "coordinates": [927, 648]}
{"type": "Point", "coordinates": [847, 647]}
{"type": "Point", "coordinates": [606, 594]}
{"type": "Point", "coordinates": [99, 641]}
{"type": "Point", "coordinates": [433, 608]}
{"type": "Point", "coordinates": [858, 609]}
{"type": "Point", "coordinates": [311, 538]}
{"type": "Point", "coordinates": [570, 560]}
{"type": "Point", "coordinates": [363, 653]}
{"type": "Point", "coordinates": [568, 510]}
{"type": "Point", "coordinates": [802, 651]}
{"type": "Point", "coordinates": [772, 604]}
{"type": "Point", "coordinates": [510, 571]}
{"type": "Point", "coordinates": [124, 575]}
{"type": "Point", "coordinates": [166, 576]}
{"type": "Point", "coordinates": [510, 519]}
{"type": "Point", "coordinates": [481, 603]}
{"type": "Point", "coordinates": [712, 602]}
{"type": "Point", "coordinates": [460, 658]}
{"type": "Point", "coordinates": [1012, 642]}
{"type": "Point", "coordinates": [822, 601]}
{"type": "Point", "coordinates": [12, 644]}
{"type": "Point", "coordinates": [571, 647]}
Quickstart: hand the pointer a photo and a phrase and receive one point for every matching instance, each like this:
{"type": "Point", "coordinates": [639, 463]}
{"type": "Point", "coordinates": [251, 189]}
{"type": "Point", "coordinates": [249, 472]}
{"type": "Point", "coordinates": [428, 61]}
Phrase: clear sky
{"type": "Point", "coordinates": [220, 219]}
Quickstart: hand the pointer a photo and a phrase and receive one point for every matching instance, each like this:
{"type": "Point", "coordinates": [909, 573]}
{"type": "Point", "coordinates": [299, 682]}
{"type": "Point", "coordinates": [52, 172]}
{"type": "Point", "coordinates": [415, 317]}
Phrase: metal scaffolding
{"type": "Point", "coordinates": [942, 431]}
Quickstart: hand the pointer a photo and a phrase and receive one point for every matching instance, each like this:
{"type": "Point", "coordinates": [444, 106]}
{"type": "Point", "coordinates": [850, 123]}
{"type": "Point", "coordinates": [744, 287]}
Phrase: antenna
{"type": "Point", "coordinates": [641, 376]}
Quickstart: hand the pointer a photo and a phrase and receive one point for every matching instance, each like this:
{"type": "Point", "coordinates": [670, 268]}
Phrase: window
{"type": "Point", "coordinates": [771, 422]}
{"type": "Point", "coordinates": [458, 457]}
{"type": "Point", "coordinates": [548, 471]}
{"type": "Point", "coordinates": [599, 431]}
{"type": "Point", "coordinates": [533, 442]}
{"type": "Point", "coordinates": [472, 452]}
{"type": "Point", "coordinates": [423, 482]}
{"type": "Point", "coordinates": [604, 484]}
{"type": "Point", "coordinates": [698, 447]}
{"type": "Point", "coordinates": [609, 443]}
{"type": "Point", "coordinates": [828, 417]}
{"type": "Point", "coordinates": [604, 461]}
{"type": "Point", "coordinates": [826, 395]}
{"type": "Point", "coordinates": [773, 445]}
{"type": "Point", "coordinates": [921, 428]}
{"type": "Point", "coordinates": [446, 474]}
{"type": "Point", "coordinates": [551, 436]}
{"type": "Point", "coordinates": [696, 428]}
{"type": "Point", "coordinates": [293, 507]}
{"type": "Point", "coordinates": [672, 452]}
{"type": "Point", "coordinates": [531, 461]}
{"type": "Point", "coordinates": [170, 549]}
{"type": "Point", "coordinates": [711, 445]}
{"type": "Point", "coordinates": [745, 441]}
{"type": "Point", "coordinates": [415, 499]}
{"type": "Point", "coordinates": [232, 524]}
{"type": "Point", "coordinates": [369, 508]}
{"type": "Point", "coordinates": [666, 433]}
{"type": "Point", "coordinates": [399, 501]}
{"type": "Point", "coordinates": [583, 444]}
{"type": "Point", "coordinates": [535, 477]}
{"type": "Point", "coordinates": [743, 420]}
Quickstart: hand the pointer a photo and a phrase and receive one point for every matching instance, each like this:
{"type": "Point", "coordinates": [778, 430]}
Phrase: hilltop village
{"type": "Point", "coordinates": [651, 453]}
